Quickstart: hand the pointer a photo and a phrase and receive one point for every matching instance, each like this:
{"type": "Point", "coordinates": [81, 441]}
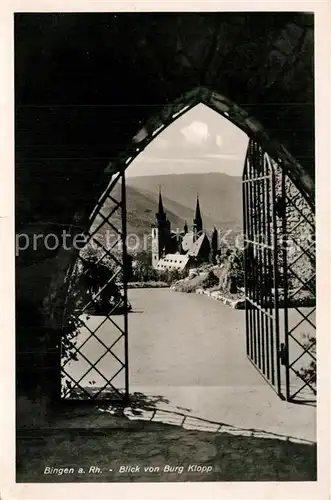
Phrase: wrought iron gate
{"type": "Point", "coordinates": [279, 260]}
{"type": "Point", "coordinates": [261, 265]}
{"type": "Point", "coordinates": [95, 339]}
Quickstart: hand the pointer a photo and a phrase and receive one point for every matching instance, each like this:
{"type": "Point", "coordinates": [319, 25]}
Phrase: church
{"type": "Point", "coordinates": [180, 249]}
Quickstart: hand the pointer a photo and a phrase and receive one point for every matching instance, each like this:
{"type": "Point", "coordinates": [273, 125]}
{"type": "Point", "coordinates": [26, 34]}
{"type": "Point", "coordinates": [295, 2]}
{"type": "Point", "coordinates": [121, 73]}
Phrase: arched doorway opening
{"type": "Point", "coordinates": [278, 201]}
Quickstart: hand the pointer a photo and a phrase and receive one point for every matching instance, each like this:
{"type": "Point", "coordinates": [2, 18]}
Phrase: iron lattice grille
{"type": "Point", "coordinates": [95, 341]}
{"type": "Point", "coordinates": [262, 275]}
{"type": "Point", "coordinates": [299, 315]}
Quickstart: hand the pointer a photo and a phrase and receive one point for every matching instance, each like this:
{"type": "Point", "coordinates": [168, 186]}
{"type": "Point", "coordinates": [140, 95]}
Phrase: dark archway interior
{"type": "Point", "coordinates": [86, 83]}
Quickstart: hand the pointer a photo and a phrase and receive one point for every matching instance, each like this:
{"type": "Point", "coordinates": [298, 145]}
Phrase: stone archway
{"type": "Point", "coordinates": [286, 183]}
{"type": "Point", "coordinates": [66, 90]}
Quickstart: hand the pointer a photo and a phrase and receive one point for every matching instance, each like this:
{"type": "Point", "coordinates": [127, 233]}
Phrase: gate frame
{"type": "Point", "coordinates": [260, 308]}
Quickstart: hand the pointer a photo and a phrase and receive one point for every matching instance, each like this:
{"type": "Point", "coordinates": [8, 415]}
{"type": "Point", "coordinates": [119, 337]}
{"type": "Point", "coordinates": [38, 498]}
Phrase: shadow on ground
{"type": "Point", "coordinates": [84, 444]}
{"type": "Point", "coordinates": [140, 402]}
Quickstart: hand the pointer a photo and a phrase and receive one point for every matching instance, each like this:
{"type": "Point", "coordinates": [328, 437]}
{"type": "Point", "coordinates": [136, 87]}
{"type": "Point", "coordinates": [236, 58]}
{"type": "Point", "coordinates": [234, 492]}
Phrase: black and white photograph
{"type": "Point", "coordinates": [165, 257]}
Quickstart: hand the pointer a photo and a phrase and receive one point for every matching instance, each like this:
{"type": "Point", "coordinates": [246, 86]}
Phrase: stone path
{"type": "Point", "coordinates": [187, 356]}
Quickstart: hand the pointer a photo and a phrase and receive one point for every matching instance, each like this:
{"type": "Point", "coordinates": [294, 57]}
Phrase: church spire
{"type": "Point", "coordinates": [198, 219]}
{"type": "Point", "coordinates": [161, 209]}
{"type": "Point", "coordinates": [161, 216]}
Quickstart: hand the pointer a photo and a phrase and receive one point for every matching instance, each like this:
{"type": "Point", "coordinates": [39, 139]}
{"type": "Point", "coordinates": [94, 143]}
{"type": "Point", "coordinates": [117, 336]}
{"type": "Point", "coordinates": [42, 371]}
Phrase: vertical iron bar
{"type": "Point", "coordinates": [252, 248]}
{"type": "Point", "coordinates": [265, 267]}
{"type": "Point", "coordinates": [275, 277]}
{"type": "Point", "coordinates": [244, 202]}
{"type": "Point", "coordinates": [260, 261]}
{"type": "Point", "coordinates": [261, 270]}
{"type": "Point", "coordinates": [285, 282]}
{"type": "Point", "coordinates": [269, 280]}
{"type": "Point", "coordinates": [257, 251]}
{"type": "Point", "coordinates": [125, 286]}
{"type": "Point", "coordinates": [248, 255]}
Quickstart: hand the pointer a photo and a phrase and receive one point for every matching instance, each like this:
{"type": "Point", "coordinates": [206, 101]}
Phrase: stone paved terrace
{"type": "Point", "coordinates": [195, 399]}
{"type": "Point", "coordinates": [187, 355]}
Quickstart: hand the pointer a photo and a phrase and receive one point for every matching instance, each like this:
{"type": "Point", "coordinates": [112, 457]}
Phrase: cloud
{"type": "Point", "coordinates": [196, 133]}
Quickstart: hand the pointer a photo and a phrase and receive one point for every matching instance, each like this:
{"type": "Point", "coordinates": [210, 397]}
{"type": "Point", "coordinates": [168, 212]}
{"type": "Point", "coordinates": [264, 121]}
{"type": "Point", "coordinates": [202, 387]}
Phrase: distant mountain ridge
{"type": "Point", "coordinates": [219, 196]}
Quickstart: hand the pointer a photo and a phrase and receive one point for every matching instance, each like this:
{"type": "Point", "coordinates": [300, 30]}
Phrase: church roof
{"type": "Point", "coordinates": [197, 245]}
{"type": "Point", "coordinates": [192, 247]}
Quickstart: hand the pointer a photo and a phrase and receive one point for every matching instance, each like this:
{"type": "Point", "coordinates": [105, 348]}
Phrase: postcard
{"type": "Point", "coordinates": [166, 254]}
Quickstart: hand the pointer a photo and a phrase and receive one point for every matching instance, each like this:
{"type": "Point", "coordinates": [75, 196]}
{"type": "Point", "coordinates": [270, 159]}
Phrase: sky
{"type": "Point", "coordinates": [200, 141]}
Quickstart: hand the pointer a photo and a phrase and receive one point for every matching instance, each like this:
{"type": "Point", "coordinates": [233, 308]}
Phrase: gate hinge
{"type": "Point", "coordinates": [283, 355]}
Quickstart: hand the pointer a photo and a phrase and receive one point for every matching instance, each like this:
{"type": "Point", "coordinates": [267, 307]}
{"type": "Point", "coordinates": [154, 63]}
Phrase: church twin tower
{"type": "Point", "coordinates": [164, 240]}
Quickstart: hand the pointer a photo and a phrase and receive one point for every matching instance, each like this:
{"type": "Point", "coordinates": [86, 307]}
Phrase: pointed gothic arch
{"type": "Point", "coordinates": [169, 113]}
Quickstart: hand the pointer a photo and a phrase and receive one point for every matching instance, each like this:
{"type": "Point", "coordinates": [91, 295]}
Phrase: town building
{"type": "Point", "coordinates": [180, 249]}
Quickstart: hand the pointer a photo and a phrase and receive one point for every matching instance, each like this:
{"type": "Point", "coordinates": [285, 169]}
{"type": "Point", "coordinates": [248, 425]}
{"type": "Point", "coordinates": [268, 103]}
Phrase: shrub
{"type": "Point", "coordinates": [308, 372]}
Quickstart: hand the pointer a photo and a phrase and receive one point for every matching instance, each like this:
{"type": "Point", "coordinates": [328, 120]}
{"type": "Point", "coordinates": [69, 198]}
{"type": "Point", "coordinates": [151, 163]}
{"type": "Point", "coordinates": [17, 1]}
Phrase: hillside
{"type": "Point", "coordinates": [219, 194]}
